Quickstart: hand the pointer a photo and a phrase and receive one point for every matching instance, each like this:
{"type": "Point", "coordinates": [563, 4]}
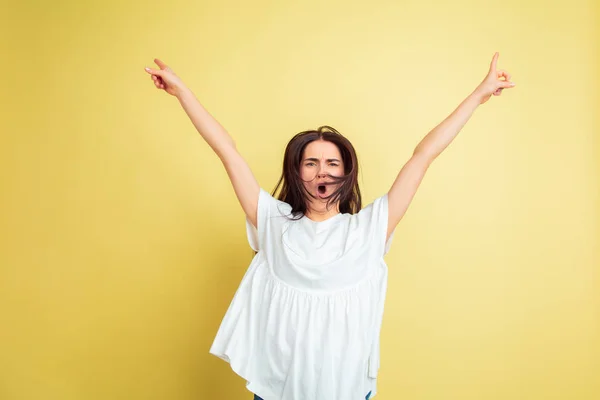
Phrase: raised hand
{"type": "Point", "coordinates": [495, 81]}
{"type": "Point", "coordinates": [164, 78]}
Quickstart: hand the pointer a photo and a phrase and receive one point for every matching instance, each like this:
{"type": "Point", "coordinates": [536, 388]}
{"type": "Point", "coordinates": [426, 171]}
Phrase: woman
{"type": "Point", "coordinates": [306, 318]}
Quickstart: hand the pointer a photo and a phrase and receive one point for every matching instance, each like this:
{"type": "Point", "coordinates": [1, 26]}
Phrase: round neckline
{"type": "Point", "coordinates": [310, 221]}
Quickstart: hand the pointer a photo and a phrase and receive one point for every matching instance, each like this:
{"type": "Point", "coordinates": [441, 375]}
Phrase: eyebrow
{"type": "Point", "coordinates": [317, 160]}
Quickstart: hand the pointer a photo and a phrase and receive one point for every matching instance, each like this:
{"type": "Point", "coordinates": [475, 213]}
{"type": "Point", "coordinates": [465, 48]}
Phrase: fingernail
{"type": "Point", "coordinates": [147, 69]}
{"type": "Point", "coordinates": [512, 84]}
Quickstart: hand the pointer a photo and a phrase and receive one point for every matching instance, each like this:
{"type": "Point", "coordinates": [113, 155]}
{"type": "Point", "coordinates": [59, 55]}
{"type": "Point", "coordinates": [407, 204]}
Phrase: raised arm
{"type": "Point", "coordinates": [244, 183]}
{"type": "Point", "coordinates": [408, 180]}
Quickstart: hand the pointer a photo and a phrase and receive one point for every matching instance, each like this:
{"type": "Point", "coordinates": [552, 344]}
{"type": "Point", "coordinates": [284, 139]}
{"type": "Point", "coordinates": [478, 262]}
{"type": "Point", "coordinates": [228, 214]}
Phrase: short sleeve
{"type": "Point", "coordinates": [268, 207]}
{"type": "Point", "coordinates": [375, 217]}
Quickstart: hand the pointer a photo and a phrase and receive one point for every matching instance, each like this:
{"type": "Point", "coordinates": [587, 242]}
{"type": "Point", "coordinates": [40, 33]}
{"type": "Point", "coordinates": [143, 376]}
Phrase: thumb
{"type": "Point", "coordinates": [506, 84]}
{"type": "Point", "coordinates": [154, 71]}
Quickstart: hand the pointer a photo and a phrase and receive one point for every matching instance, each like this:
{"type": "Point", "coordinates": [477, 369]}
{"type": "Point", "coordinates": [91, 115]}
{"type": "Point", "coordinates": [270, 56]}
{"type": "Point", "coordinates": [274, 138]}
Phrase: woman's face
{"type": "Point", "coordinates": [320, 158]}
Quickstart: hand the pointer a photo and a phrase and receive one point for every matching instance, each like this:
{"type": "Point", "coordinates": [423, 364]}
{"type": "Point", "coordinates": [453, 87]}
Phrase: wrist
{"type": "Point", "coordinates": [182, 91]}
{"type": "Point", "coordinates": [476, 96]}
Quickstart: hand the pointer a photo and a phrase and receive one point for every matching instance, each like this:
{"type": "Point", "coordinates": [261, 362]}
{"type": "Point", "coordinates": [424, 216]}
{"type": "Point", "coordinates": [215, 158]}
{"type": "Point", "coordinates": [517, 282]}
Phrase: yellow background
{"type": "Point", "coordinates": [122, 242]}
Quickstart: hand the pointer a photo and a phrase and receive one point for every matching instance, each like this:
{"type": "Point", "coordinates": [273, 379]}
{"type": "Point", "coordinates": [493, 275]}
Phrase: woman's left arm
{"type": "Point", "coordinates": [408, 180]}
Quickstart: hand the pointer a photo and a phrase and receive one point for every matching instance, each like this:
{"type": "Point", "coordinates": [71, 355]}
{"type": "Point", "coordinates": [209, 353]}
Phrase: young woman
{"type": "Point", "coordinates": [306, 318]}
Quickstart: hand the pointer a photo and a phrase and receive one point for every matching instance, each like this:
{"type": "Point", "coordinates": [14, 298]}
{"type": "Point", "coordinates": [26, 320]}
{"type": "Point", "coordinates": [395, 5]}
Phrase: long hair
{"type": "Point", "coordinates": [293, 190]}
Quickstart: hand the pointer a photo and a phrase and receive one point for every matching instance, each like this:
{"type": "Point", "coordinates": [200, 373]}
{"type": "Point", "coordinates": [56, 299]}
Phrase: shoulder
{"type": "Point", "coordinates": [373, 209]}
{"type": "Point", "coordinates": [273, 206]}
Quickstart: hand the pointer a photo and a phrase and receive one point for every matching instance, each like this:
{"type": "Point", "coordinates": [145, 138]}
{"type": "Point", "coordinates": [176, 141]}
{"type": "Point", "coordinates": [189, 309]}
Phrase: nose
{"type": "Point", "coordinates": [322, 172]}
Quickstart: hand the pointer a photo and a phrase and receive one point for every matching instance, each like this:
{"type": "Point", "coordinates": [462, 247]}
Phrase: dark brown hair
{"type": "Point", "coordinates": [293, 191]}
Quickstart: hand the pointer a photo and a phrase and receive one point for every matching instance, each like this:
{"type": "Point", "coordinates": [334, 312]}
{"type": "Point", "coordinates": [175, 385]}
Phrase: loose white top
{"type": "Point", "coordinates": [305, 320]}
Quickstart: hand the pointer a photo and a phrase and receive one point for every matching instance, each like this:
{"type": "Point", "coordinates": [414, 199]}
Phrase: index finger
{"type": "Point", "coordinates": [494, 60]}
{"type": "Point", "coordinates": [161, 64]}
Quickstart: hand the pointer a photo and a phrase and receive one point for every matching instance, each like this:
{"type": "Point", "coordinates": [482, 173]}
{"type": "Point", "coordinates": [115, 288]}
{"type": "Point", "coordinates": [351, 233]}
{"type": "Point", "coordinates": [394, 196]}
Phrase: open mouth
{"type": "Point", "coordinates": [323, 191]}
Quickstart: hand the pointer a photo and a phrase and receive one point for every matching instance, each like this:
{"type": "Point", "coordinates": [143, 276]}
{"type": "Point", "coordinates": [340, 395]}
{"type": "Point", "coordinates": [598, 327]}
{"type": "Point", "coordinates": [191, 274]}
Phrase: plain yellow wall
{"type": "Point", "coordinates": [122, 242]}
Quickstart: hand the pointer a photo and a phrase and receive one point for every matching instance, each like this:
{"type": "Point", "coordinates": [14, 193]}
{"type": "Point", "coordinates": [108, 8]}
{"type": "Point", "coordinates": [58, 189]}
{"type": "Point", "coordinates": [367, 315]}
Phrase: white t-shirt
{"type": "Point", "coordinates": [305, 320]}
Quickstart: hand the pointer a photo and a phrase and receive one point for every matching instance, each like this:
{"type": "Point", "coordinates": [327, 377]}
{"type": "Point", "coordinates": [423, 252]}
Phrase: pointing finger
{"type": "Point", "coordinates": [494, 60]}
{"type": "Point", "coordinates": [161, 64]}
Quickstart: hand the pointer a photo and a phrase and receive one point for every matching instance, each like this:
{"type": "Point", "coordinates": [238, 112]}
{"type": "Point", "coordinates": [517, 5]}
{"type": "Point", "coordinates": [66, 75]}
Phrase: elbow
{"type": "Point", "coordinates": [225, 150]}
{"type": "Point", "coordinates": [425, 157]}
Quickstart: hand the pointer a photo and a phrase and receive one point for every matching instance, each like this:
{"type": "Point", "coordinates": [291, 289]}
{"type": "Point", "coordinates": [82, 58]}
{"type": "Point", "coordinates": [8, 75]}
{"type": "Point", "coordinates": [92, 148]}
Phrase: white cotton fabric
{"type": "Point", "coordinates": [305, 321]}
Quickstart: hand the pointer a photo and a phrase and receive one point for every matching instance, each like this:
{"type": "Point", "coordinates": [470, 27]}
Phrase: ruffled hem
{"type": "Point", "coordinates": [253, 387]}
{"type": "Point", "coordinates": [262, 391]}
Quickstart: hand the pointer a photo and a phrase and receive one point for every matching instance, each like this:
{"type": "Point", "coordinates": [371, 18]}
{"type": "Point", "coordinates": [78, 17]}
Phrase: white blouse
{"type": "Point", "coordinates": [306, 318]}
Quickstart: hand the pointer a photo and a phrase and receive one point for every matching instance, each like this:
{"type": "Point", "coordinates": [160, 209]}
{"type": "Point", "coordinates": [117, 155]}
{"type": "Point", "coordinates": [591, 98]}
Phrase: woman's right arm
{"type": "Point", "coordinates": [244, 183]}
